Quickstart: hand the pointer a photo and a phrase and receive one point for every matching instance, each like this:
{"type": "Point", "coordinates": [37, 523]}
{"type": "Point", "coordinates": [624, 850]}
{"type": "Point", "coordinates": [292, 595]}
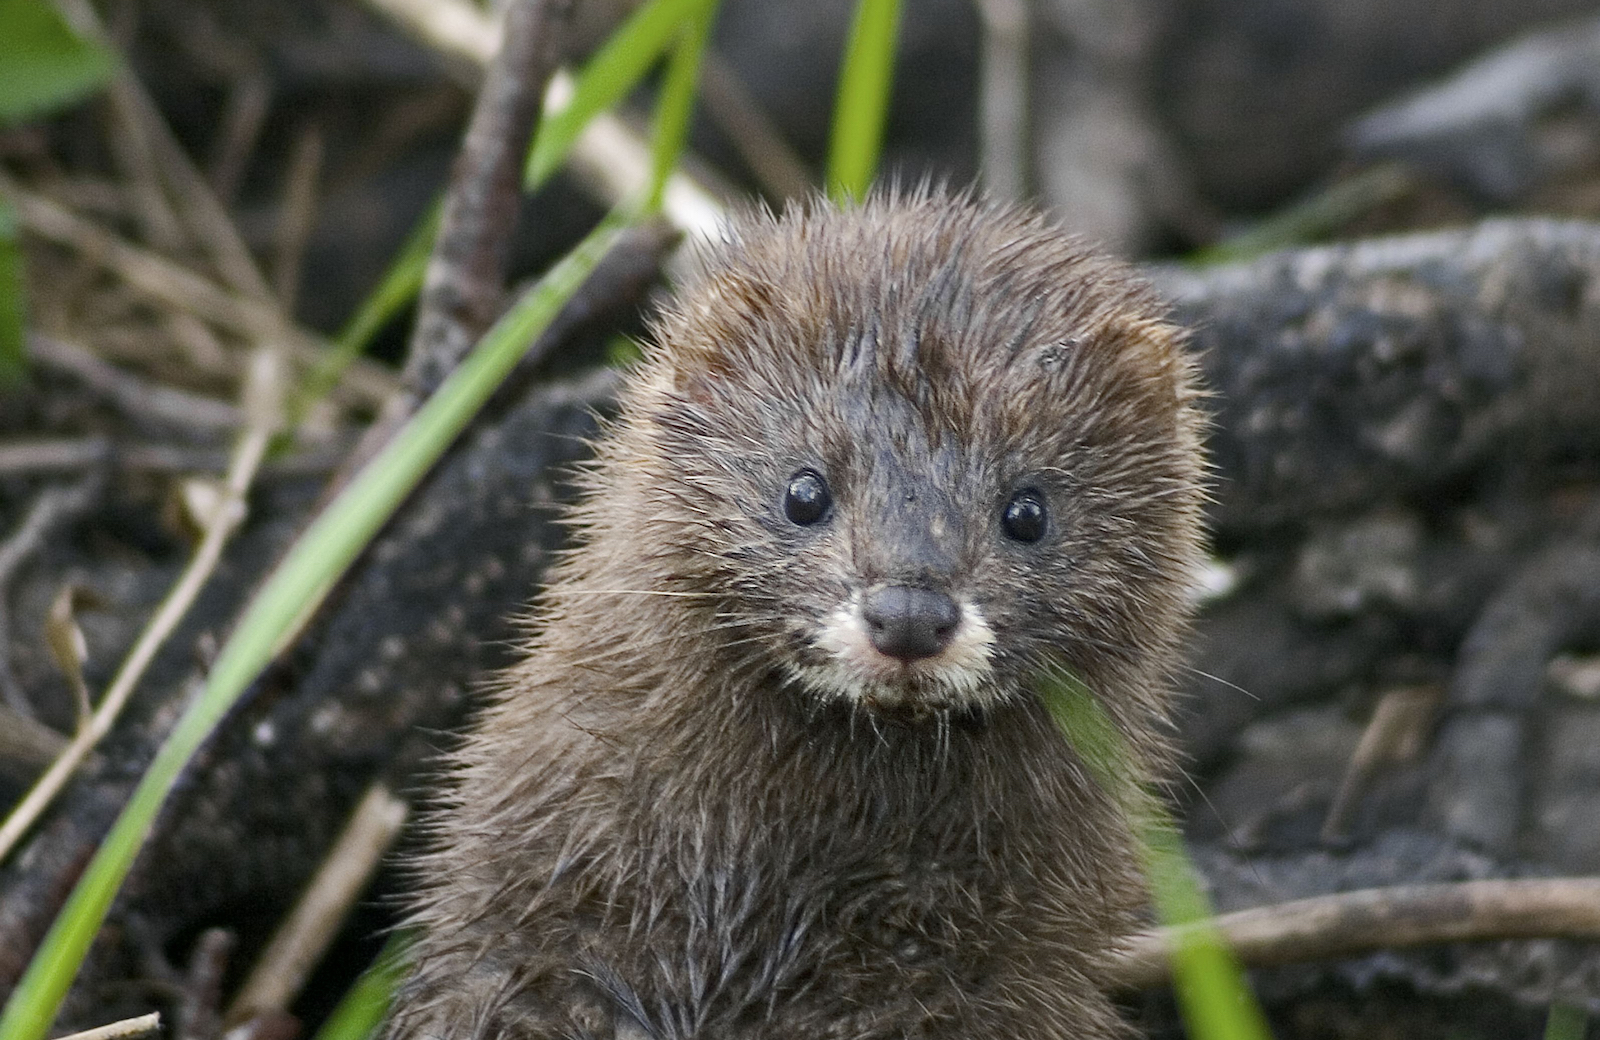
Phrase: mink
{"type": "Point", "coordinates": [775, 762]}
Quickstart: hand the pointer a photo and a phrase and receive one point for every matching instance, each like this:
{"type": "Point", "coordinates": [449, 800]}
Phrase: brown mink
{"type": "Point", "coordinates": [774, 765]}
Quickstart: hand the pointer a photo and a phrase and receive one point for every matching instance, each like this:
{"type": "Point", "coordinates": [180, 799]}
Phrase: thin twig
{"type": "Point", "coordinates": [127, 1029]}
{"type": "Point", "coordinates": [262, 393]}
{"type": "Point", "coordinates": [776, 165]}
{"type": "Point", "coordinates": [1332, 926]}
{"type": "Point", "coordinates": [297, 213]}
{"type": "Point", "coordinates": [607, 155]}
{"type": "Point", "coordinates": [304, 936]}
{"type": "Point", "coordinates": [1003, 97]}
{"type": "Point", "coordinates": [214, 228]}
{"type": "Point", "coordinates": [135, 397]}
{"type": "Point", "coordinates": [26, 746]}
{"type": "Point", "coordinates": [182, 289]}
{"type": "Point", "coordinates": [51, 508]}
{"type": "Point", "coordinates": [76, 454]}
{"type": "Point", "coordinates": [465, 280]}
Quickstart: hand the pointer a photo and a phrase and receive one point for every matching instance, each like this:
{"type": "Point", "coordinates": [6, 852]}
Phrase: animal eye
{"type": "Point", "coordinates": [1024, 518]}
{"type": "Point", "coordinates": [807, 500]}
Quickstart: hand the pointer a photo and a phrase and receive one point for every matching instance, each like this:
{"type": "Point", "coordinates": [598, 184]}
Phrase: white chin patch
{"type": "Point", "coordinates": [959, 676]}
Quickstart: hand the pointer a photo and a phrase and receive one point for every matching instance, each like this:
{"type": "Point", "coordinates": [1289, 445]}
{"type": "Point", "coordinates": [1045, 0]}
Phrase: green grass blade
{"type": "Point", "coordinates": [363, 1006]}
{"type": "Point", "coordinates": [43, 65]}
{"type": "Point", "coordinates": [13, 358]}
{"type": "Point", "coordinates": [676, 103]}
{"type": "Point", "coordinates": [1312, 218]}
{"type": "Point", "coordinates": [615, 70]}
{"type": "Point", "coordinates": [1215, 999]}
{"type": "Point", "coordinates": [863, 100]}
{"type": "Point", "coordinates": [398, 287]}
{"type": "Point", "coordinates": [313, 564]}
{"type": "Point", "coordinates": [1566, 1022]}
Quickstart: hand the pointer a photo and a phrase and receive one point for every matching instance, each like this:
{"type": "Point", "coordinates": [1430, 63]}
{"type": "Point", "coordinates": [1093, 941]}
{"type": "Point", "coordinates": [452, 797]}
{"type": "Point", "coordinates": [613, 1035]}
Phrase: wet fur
{"type": "Point", "coordinates": [662, 828]}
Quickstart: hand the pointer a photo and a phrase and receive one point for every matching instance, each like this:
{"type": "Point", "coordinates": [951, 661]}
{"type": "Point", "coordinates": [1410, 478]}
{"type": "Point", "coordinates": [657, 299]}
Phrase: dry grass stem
{"type": "Point", "coordinates": [127, 1029]}
{"type": "Point", "coordinates": [1347, 923]}
{"type": "Point", "coordinates": [304, 936]}
{"type": "Point", "coordinates": [243, 118]}
{"type": "Point", "coordinates": [68, 646]}
{"type": "Point", "coordinates": [26, 745]}
{"type": "Point", "coordinates": [136, 161]}
{"type": "Point", "coordinates": [135, 397]}
{"type": "Point", "coordinates": [199, 1010]}
{"type": "Point", "coordinates": [62, 453]}
{"type": "Point", "coordinates": [1396, 733]}
{"type": "Point", "coordinates": [75, 455]}
{"type": "Point", "coordinates": [158, 221]}
{"type": "Point", "coordinates": [53, 507]}
{"type": "Point", "coordinates": [213, 227]}
{"type": "Point", "coordinates": [297, 215]}
{"type": "Point", "coordinates": [779, 169]}
{"type": "Point", "coordinates": [184, 291]}
{"type": "Point", "coordinates": [263, 384]}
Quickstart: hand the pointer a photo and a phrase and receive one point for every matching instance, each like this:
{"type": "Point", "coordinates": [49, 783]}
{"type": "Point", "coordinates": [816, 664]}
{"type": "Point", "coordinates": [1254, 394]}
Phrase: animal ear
{"type": "Point", "coordinates": [1158, 348]}
{"type": "Point", "coordinates": [702, 341]}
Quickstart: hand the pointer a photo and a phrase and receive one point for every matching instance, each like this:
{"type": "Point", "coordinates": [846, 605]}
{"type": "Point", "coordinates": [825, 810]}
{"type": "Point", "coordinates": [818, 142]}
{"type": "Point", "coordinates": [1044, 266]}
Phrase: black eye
{"type": "Point", "coordinates": [807, 499]}
{"type": "Point", "coordinates": [1024, 518]}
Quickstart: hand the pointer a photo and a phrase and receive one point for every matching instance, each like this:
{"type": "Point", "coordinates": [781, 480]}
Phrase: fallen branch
{"type": "Point", "coordinates": [465, 281]}
{"type": "Point", "coordinates": [1333, 926]}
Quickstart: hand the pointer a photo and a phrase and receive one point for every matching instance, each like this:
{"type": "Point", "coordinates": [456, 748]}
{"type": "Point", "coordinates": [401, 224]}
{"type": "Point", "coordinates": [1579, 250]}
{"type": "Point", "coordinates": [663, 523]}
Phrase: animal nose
{"type": "Point", "coordinates": [909, 623]}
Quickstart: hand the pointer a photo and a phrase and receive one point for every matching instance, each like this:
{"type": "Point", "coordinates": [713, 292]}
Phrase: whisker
{"type": "Point", "coordinates": [1220, 681]}
{"type": "Point", "coordinates": [639, 592]}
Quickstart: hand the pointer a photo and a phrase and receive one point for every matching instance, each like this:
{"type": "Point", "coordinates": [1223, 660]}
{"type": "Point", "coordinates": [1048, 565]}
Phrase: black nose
{"type": "Point", "coordinates": [910, 623]}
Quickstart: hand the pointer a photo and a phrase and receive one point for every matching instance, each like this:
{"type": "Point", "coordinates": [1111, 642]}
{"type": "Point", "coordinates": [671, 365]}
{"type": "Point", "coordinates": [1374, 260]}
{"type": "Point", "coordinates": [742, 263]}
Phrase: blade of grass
{"type": "Point", "coordinates": [310, 569]}
{"type": "Point", "coordinates": [399, 286]}
{"type": "Point", "coordinates": [615, 70]}
{"type": "Point", "coordinates": [1312, 218]}
{"type": "Point", "coordinates": [1566, 1022]}
{"type": "Point", "coordinates": [1215, 999]}
{"type": "Point", "coordinates": [364, 1004]}
{"type": "Point", "coordinates": [43, 64]}
{"type": "Point", "coordinates": [676, 103]}
{"type": "Point", "coordinates": [12, 356]}
{"type": "Point", "coordinates": [863, 100]}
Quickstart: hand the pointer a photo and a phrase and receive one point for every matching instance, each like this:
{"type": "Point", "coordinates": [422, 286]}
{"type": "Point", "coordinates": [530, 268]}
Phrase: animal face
{"type": "Point", "coordinates": [920, 449]}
